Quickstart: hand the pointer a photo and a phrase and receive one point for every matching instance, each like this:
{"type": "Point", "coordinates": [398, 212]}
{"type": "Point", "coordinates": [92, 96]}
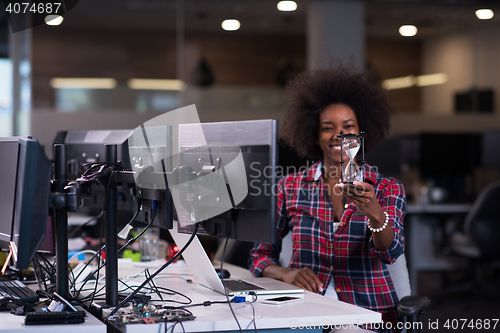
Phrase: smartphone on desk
{"type": "Point", "coordinates": [282, 300]}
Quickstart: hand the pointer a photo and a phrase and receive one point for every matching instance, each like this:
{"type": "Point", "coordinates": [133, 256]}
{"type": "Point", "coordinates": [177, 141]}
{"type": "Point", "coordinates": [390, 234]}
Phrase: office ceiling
{"type": "Point", "coordinates": [383, 18]}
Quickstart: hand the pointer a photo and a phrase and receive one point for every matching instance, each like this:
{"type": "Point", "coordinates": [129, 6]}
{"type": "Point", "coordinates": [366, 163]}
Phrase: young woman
{"type": "Point", "coordinates": [342, 238]}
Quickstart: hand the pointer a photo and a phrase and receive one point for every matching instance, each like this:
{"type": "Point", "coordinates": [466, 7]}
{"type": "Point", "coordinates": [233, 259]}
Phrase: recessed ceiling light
{"type": "Point", "coordinates": [156, 84]}
{"type": "Point", "coordinates": [431, 79]}
{"type": "Point", "coordinates": [419, 81]}
{"type": "Point", "coordinates": [53, 19]}
{"type": "Point", "coordinates": [287, 6]}
{"type": "Point", "coordinates": [231, 25]}
{"type": "Point", "coordinates": [82, 83]}
{"type": "Point", "coordinates": [399, 82]}
{"type": "Point", "coordinates": [484, 14]}
{"type": "Point", "coordinates": [408, 30]}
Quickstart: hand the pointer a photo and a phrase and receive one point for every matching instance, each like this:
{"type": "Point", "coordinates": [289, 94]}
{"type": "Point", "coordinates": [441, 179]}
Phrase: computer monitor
{"type": "Point", "coordinates": [24, 197]}
{"type": "Point", "coordinates": [490, 145]}
{"type": "Point", "coordinates": [449, 160]}
{"type": "Point", "coordinates": [395, 155]}
{"type": "Point", "coordinates": [88, 146]}
{"type": "Point", "coordinates": [232, 186]}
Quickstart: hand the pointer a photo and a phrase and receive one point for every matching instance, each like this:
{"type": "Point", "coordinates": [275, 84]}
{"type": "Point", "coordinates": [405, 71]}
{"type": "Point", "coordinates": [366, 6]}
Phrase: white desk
{"type": "Point", "coordinates": [314, 311]}
{"type": "Point", "coordinates": [438, 208]}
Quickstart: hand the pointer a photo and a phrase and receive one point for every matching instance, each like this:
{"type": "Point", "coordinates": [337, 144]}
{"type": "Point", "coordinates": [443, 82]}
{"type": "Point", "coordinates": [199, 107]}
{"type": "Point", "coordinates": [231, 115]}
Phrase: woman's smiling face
{"type": "Point", "coordinates": [332, 120]}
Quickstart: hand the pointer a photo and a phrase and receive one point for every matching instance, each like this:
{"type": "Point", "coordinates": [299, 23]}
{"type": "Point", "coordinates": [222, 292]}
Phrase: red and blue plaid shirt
{"type": "Point", "coordinates": [348, 255]}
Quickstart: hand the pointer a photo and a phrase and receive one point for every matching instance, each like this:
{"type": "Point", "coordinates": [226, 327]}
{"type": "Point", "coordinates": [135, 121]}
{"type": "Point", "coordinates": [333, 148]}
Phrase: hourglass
{"type": "Point", "coordinates": [351, 144]}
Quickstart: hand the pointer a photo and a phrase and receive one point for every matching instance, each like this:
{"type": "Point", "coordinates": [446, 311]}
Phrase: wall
{"type": "Point", "coordinates": [470, 59]}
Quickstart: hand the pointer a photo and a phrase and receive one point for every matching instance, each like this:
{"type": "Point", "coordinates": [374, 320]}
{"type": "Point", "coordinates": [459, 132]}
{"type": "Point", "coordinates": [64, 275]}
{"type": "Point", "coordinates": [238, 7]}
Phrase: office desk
{"type": "Point", "coordinates": [312, 312]}
{"type": "Point", "coordinates": [423, 238]}
{"type": "Point", "coordinates": [441, 208]}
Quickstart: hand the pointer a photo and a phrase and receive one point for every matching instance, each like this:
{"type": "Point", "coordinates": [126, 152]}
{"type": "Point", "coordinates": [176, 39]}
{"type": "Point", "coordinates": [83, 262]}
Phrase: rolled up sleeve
{"type": "Point", "coordinates": [263, 254]}
{"type": "Point", "coordinates": [394, 203]}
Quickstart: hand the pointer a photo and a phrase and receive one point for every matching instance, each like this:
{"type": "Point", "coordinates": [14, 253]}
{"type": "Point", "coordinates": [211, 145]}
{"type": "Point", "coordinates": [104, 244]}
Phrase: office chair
{"type": "Point", "coordinates": [409, 307]}
{"type": "Point", "coordinates": [479, 241]}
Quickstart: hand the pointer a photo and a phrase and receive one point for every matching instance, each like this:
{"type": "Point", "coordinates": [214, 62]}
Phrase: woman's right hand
{"type": "Point", "coordinates": [304, 278]}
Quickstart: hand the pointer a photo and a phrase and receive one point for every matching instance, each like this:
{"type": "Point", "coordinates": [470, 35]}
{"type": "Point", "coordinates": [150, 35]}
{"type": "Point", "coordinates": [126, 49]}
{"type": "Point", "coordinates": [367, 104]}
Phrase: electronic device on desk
{"type": "Point", "coordinates": [228, 179]}
{"type": "Point", "coordinates": [17, 290]}
{"type": "Point", "coordinates": [24, 198]}
{"type": "Point", "coordinates": [59, 311]}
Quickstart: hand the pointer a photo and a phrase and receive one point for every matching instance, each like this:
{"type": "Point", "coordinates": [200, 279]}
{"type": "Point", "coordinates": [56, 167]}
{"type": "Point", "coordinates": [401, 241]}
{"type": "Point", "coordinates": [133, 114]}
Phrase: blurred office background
{"type": "Point", "coordinates": [443, 81]}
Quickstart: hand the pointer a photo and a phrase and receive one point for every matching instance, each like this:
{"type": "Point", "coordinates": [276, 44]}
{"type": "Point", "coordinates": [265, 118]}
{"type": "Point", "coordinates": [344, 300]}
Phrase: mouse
{"type": "Point", "coordinates": [225, 273]}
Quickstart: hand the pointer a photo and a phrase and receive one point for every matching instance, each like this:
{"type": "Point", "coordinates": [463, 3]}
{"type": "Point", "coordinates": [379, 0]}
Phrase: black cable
{"type": "Point", "coordinates": [222, 278]}
{"type": "Point", "coordinates": [49, 271]}
{"type": "Point", "coordinates": [104, 168]}
{"type": "Point", "coordinates": [74, 231]}
{"type": "Point", "coordinates": [206, 303]}
{"type": "Point", "coordinates": [49, 264]}
{"type": "Point", "coordinates": [38, 272]}
{"type": "Point", "coordinates": [119, 251]}
{"type": "Point", "coordinates": [254, 299]}
{"type": "Point", "coordinates": [182, 325]}
{"type": "Point", "coordinates": [131, 241]}
{"type": "Point", "coordinates": [99, 256]}
{"type": "Point", "coordinates": [152, 283]}
{"type": "Point", "coordinates": [177, 255]}
{"type": "Point", "coordinates": [176, 322]}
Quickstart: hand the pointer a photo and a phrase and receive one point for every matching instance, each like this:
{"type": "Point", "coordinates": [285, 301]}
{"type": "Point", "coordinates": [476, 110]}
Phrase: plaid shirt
{"type": "Point", "coordinates": [348, 255]}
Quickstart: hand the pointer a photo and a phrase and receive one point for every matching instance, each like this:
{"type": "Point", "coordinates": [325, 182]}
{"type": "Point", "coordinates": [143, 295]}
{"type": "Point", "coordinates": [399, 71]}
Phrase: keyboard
{"type": "Point", "coordinates": [18, 290]}
{"type": "Point", "coordinates": [239, 285]}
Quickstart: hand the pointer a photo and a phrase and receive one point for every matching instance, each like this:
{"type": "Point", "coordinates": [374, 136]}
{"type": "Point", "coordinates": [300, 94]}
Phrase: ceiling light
{"type": "Point", "coordinates": [399, 82]}
{"type": "Point", "coordinates": [431, 79]}
{"type": "Point", "coordinates": [53, 19]}
{"type": "Point", "coordinates": [410, 81]}
{"type": "Point", "coordinates": [408, 30]}
{"type": "Point", "coordinates": [82, 83]}
{"type": "Point", "coordinates": [484, 14]}
{"type": "Point", "coordinates": [156, 84]}
{"type": "Point", "coordinates": [287, 6]}
{"type": "Point", "coordinates": [230, 25]}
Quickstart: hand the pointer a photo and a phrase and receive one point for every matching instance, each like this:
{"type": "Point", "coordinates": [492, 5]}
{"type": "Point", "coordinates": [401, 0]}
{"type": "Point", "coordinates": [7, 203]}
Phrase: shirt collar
{"type": "Point", "coordinates": [317, 171]}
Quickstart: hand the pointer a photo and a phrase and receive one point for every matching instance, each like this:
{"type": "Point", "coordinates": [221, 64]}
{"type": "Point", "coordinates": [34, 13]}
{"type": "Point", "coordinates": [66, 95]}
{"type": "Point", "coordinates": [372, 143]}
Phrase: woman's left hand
{"type": "Point", "coordinates": [363, 196]}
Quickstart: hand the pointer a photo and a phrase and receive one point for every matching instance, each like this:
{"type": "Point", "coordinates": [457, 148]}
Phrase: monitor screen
{"type": "Point", "coordinates": [89, 146]}
{"type": "Point", "coordinates": [25, 189]}
{"type": "Point", "coordinates": [229, 179]}
{"type": "Point", "coordinates": [395, 155]}
{"type": "Point", "coordinates": [449, 161]}
{"type": "Point", "coordinates": [490, 145]}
